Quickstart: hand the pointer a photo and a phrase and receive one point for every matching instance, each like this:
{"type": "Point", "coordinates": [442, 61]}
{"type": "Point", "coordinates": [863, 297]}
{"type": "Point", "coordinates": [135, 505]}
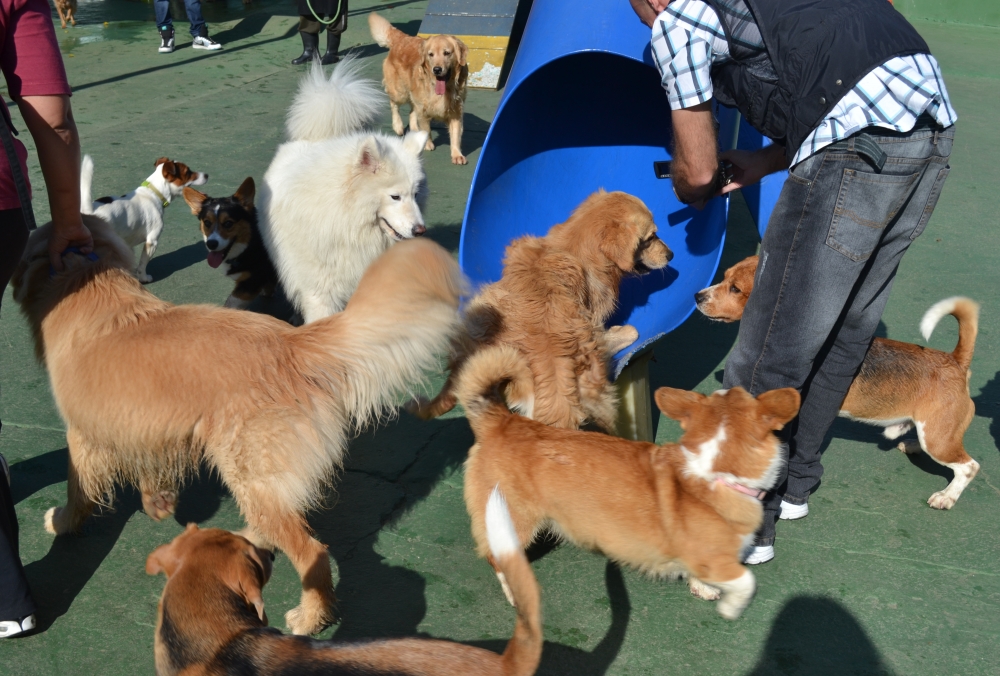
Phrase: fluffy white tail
{"type": "Point", "coordinates": [324, 108]}
{"type": "Point", "coordinates": [86, 180]}
{"type": "Point", "coordinates": [966, 311]}
{"type": "Point", "coordinates": [381, 29]}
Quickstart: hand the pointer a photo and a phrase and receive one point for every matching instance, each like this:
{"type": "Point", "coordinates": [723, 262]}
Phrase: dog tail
{"type": "Point", "coordinates": [86, 181]}
{"type": "Point", "coordinates": [398, 323]}
{"type": "Point", "coordinates": [524, 651]}
{"type": "Point", "coordinates": [341, 104]}
{"type": "Point", "coordinates": [486, 377]}
{"type": "Point", "coordinates": [383, 32]}
{"type": "Point", "coordinates": [966, 311]}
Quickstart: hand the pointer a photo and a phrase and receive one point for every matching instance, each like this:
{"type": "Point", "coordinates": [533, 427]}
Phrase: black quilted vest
{"type": "Point", "coordinates": [792, 60]}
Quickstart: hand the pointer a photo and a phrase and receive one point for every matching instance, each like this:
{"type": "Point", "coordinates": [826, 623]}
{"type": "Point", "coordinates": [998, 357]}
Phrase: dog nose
{"type": "Point", "coordinates": [438, 70]}
{"type": "Point", "coordinates": [211, 244]}
{"type": "Point", "coordinates": [700, 296]}
{"type": "Point", "coordinates": [670, 255]}
{"type": "Point", "coordinates": [419, 230]}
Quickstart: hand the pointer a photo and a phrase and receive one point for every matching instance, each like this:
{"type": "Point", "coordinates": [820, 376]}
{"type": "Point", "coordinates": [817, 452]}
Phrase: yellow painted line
{"type": "Point", "coordinates": [478, 41]}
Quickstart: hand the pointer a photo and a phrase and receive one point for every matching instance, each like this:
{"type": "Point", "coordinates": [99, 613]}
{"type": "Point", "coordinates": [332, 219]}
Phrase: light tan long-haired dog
{"type": "Point", "coordinates": [551, 304]}
{"type": "Point", "coordinates": [149, 390]}
{"type": "Point", "coordinates": [428, 74]}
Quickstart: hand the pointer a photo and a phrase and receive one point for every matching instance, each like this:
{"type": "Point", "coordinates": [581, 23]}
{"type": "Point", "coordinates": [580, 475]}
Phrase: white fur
{"type": "Point", "coordinates": [700, 464]}
{"type": "Point", "coordinates": [336, 196]}
{"type": "Point", "coordinates": [500, 531]}
{"type": "Point", "coordinates": [937, 312]}
{"type": "Point", "coordinates": [736, 595]}
{"type": "Point", "coordinates": [138, 216]}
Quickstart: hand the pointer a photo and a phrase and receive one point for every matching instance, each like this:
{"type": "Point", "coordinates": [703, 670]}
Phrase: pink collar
{"type": "Point", "coordinates": [745, 490]}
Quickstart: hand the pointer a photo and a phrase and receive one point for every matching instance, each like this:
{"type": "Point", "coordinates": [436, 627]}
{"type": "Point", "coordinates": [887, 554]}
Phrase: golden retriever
{"type": "Point", "coordinates": [211, 617]}
{"type": "Point", "coordinates": [148, 390]}
{"type": "Point", "coordinates": [552, 302]}
{"type": "Point", "coordinates": [67, 10]}
{"type": "Point", "coordinates": [428, 74]}
{"type": "Point", "coordinates": [688, 508]}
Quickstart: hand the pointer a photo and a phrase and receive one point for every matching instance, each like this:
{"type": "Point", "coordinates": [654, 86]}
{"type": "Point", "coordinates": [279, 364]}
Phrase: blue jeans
{"type": "Point", "coordinates": [827, 263]}
{"type": "Point", "coordinates": [193, 9]}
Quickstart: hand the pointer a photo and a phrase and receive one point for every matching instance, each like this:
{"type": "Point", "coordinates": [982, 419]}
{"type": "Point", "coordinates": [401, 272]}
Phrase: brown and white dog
{"type": "Point", "coordinates": [211, 620]}
{"type": "Point", "coordinates": [678, 509]}
{"type": "Point", "coordinates": [900, 385]}
{"type": "Point", "coordinates": [552, 303]}
{"type": "Point", "coordinates": [67, 10]}
{"type": "Point", "coordinates": [430, 75]}
{"type": "Point", "coordinates": [146, 398]}
{"type": "Point", "coordinates": [138, 216]}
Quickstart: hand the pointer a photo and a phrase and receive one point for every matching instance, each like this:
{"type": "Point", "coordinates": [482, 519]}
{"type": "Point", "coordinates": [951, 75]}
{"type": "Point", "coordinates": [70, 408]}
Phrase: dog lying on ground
{"type": "Point", "coordinates": [211, 618]}
{"type": "Point", "coordinates": [67, 10]}
{"type": "Point", "coordinates": [430, 75]}
{"type": "Point", "coordinates": [138, 216]}
{"type": "Point", "coordinates": [336, 196]}
{"type": "Point", "coordinates": [677, 509]}
{"type": "Point", "coordinates": [146, 398]}
{"type": "Point", "coordinates": [900, 384]}
{"type": "Point", "coordinates": [551, 304]}
{"type": "Point", "coordinates": [229, 226]}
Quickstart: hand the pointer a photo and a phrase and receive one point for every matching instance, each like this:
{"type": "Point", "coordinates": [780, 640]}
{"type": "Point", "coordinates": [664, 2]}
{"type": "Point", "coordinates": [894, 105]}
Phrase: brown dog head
{"type": "Point", "coordinates": [729, 435]}
{"type": "Point", "coordinates": [726, 300]}
{"type": "Point", "coordinates": [178, 175]}
{"type": "Point", "coordinates": [445, 60]}
{"type": "Point", "coordinates": [231, 559]}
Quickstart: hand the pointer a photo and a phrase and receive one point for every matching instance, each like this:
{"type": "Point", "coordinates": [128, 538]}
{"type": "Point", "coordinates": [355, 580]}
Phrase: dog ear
{"type": "Point", "coordinates": [777, 407]}
{"type": "Point", "coordinates": [163, 559]}
{"type": "Point", "coordinates": [414, 142]}
{"type": "Point", "coordinates": [194, 199]}
{"type": "Point", "coordinates": [461, 50]}
{"type": "Point", "coordinates": [618, 245]}
{"type": "Point", "coordinates": [162, 160]}
{"type": "Point", "coordinates": [370, 156]}
{"type": "Point", "coordinates": [244, 194]}
{"type": "Point", "coordinates": [251, 579]}
{"type": "Point", "coordinates": [169, 168]}
{"type": "Point", "coordinates": [678, 404]}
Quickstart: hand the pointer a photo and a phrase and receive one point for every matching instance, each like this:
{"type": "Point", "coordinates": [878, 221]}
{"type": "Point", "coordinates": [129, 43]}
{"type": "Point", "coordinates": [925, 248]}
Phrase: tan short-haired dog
{"type": "Point", "coordinates": [211, 620]}
{"type": "Point", "coordinates": [899, 385]}
{"type": "Point", "coordinates": [428, 74]}
{"type": "Point", "coordinates": [679, 509]}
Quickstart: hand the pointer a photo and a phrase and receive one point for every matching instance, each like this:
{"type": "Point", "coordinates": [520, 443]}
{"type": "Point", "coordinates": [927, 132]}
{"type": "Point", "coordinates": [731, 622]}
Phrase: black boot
{"type": "Point", "coordinates": [310, 45]}
{"type": "Point", "coordinates": [332, 46]}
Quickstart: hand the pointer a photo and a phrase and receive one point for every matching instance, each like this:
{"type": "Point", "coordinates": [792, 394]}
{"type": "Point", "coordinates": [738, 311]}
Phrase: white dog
{"type": "Point", "coordinates": [138, 216]}
{"type": "Point", "coordinates": [337, 195]}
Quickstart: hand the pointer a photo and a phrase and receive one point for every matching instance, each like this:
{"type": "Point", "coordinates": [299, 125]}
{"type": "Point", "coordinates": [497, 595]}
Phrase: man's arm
{"type": "Point", "coordinates": [695, 166]}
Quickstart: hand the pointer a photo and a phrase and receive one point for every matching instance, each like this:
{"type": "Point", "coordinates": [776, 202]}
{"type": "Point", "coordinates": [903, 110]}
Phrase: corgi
{"type": "Point", "coordinates": [899, 385]}
{"type": "Point", "coordinates": [229, 226]}
{"type": "Point", "coordinates": [138, 216]}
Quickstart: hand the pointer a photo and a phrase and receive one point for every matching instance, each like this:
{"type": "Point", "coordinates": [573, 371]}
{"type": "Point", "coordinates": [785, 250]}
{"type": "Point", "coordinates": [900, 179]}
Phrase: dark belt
{"type": "Point", "coordinates": [864, 144]}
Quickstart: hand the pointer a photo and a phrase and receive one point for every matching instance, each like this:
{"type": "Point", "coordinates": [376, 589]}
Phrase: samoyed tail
{"type": "Point", "coordinates": [86, 181]}
{"type": "Point", "coordinates": [341, 104]}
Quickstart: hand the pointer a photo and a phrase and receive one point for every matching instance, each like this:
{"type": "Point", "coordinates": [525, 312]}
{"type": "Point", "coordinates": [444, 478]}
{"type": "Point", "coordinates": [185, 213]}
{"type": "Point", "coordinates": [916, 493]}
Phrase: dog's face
{"type": "Point", "coordinates": [240, 565]}
{"type": "Point", "coordinates": [625, 232]}
{"type": "Point", "coordinates": [444, 55]}
{"type": "Point", "coordinates": [730, 434]}
{"type": "Point", "coordinates": [178, 176]}
{"type": "Point", "coordinates": [226, 222]}
{"type": "Point", "coordinates": [726, 300]}
{"type": "Point", "coordinates": [396, 183]}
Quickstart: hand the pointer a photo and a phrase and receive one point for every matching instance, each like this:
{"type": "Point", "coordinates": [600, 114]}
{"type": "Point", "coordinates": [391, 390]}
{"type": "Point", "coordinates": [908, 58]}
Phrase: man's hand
{"type": "Point", "coordinates": [750, 167]}
{"type": "Point", "coordinates": [65, 235]}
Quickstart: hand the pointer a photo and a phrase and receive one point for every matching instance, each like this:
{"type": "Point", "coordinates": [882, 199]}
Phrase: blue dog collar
{"type": "Point", "coordinates": [74, 250]}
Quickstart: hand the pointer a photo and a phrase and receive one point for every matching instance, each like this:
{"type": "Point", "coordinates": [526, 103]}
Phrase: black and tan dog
{"type": "Point", "coordinates": [211, 617]}
{"type": "Point", "coordinates": [229, 226]}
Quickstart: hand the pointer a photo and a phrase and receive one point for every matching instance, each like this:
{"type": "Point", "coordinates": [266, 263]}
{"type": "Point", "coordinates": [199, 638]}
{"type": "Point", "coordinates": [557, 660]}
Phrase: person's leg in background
{"type": "Point", "coordinates": [17, 609]}
{"type": "Point", "coordinates": [199, 31]}
{"type": "Point", "coordinates": [333, 33]}
{"type": "Point", "coordinates": [309, 30]}
{"type": "Point", "coordinates": [164, 24]}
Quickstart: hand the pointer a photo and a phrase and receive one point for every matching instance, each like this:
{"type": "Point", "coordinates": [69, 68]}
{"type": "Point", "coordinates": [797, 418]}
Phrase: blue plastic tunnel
{"type": "Point", "coordinates": [583, 109]}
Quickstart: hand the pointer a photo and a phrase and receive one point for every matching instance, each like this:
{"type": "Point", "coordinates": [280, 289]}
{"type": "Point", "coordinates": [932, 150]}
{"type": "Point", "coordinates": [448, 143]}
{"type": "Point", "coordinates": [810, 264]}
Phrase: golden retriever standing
{"type": "Point", "coordinates": [428, 74]}
{"type": "Point", "coordinates": [551, 304]}
{"type": "Point", "coordinates": [66, 9]}
{"type": "Point", "coordinates": [149, 390]}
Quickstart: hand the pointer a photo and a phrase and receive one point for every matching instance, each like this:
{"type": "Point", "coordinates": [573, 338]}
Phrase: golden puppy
{"type": "Point", "coordinates": [428, 74]}
{"type": "Point", "coordinates": [677, 509]}
{"type": "Point", "coordinates": [899, 385]}
{"type": "Point", "coordinates": [150, 390]}
{"type": "Point", "coordinates": [67, 10]}
{"type": "Point", "coordinates": [211, 620]}
{"type": "Point", "coordinates": [555, 296]}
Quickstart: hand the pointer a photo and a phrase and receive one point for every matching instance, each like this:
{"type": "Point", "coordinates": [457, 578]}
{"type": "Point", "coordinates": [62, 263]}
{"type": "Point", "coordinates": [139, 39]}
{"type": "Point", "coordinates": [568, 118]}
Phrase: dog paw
{"type": "Point", "coordinates": [941, 500]}
{"type": "Point", "coordinates": [459, 159]}
{"type": "Point", "coordinates": [909, 446]}
{"type": "Point", "coordinates": [429, 145]}
{"type": "Point", "coordinates": [703, 591]}
{"type": "Point", "coordinates": [730, 611]}
{"type": "Point", "coordinates": [303, 622]}
{"type": "Point", "coordinates": [159, 505]}
{"type": "Point", "coordinates": [50, 520]}
{"type": "Point", "coordinates": [144, 278]}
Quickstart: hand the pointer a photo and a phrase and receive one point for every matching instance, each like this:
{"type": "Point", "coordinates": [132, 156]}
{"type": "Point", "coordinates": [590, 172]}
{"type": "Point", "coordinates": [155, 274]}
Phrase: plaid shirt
{"type": "Point", "coordinates": [688, 39]}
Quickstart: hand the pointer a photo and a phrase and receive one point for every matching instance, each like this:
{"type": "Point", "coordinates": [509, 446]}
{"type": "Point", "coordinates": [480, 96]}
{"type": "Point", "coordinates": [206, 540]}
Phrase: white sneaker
{"type": "Point", "coordinates": [757, 555]}
{"type": "Point", "coordinates": [15, 627]}
{"type": "Point", "coordinates": [205, 43]}
{"type": "Point", "coordinates": [166, 40]}
{"type": "Point", "coordinates": [790, 512]}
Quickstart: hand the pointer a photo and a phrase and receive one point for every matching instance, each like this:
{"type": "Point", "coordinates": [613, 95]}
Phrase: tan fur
{"type": "Point", "coordinates": [149, 390]}
{"type": "Point", "coordinates": [899, 384]}
{"type": "Point", "coordinates": [656, 508]}
{"type": "Point", "coordinates": [211, 621]}
{"type": "Point", "coordinates": [552, 303]}
{"type": "Point", "coordinates": [67, 11]}
{"type": "Point", "coordinates": [409, 78]}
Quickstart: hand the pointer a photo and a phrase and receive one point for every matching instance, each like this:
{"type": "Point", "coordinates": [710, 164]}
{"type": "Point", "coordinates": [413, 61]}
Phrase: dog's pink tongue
{"type": "Point", "coordinates": [215, 258]}
{"type": "Point", "coordinates": [439, 86]}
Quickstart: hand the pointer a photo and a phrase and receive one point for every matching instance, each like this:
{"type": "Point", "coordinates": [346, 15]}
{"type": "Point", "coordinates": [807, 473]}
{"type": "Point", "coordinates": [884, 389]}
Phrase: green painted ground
{"type": "Point", "coordinates": [872, 582]}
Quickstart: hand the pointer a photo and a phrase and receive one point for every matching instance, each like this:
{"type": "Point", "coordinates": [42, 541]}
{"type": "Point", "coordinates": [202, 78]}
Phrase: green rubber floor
{"type": "Point", "coordinates": [872, 582]}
